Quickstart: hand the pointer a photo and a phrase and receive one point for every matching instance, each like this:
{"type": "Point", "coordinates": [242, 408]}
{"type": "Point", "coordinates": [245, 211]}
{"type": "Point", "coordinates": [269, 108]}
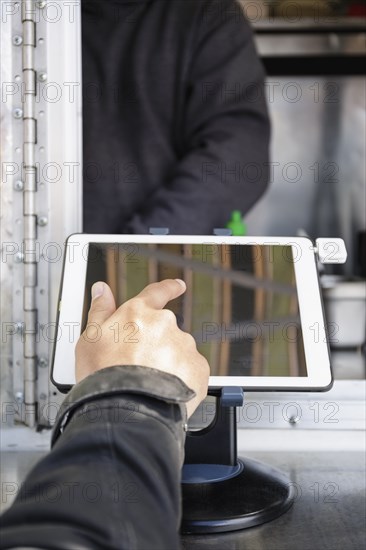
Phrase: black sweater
{"type": "Point", "coordinates": [175, 122]}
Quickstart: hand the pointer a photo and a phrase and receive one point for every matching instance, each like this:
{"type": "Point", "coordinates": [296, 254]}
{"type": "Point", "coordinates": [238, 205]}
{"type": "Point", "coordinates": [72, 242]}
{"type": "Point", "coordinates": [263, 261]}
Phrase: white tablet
{"type": "Point", "coordinates": [252, 304]}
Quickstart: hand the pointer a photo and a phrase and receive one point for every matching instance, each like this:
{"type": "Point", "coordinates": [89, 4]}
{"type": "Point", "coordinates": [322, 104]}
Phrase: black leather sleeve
{"type": "Point", "coordinates": [112, 478]}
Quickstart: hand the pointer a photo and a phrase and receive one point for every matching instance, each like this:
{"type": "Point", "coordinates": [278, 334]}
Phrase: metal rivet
{"type": "Point", "coordinates": [17, 40]}
{"type": "Point", "coordinates": [294, 419]}
{"type": "Point", "coordinates": [41, 4]}
{"type": "Point", "coordinates": [18, 185]}
{"type": "Point", "coordinates": [18, 113]}
{"type": "Point", "coordinates": [43, 396]}
{"type": "Point", "coordinates": [42, 77]}
{"type": "Point", "coordinates": [42, 221]}
{"type": "Point", "coordinates": [42, 362]}
{"type": "Point", "coordinates": [19, 257]}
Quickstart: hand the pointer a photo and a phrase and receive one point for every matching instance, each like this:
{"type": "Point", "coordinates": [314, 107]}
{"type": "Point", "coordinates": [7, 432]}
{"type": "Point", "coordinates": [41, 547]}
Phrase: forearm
{"type": "Point", "coordinates": [226, 169]}
{"type": "Point", "coordinates": [207, 186]}
{"type": "Point", "coordinates": [112, 479]}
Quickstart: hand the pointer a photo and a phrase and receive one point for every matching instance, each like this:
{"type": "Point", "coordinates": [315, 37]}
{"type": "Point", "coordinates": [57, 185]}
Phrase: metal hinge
{"type": "Point", "coordinates": [29, 190]}
{"type": "Point", "coordinates": [37, 67]}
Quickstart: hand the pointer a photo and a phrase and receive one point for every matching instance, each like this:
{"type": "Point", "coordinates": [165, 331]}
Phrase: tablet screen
{"type": "Point", "coordinates": [241, 303]}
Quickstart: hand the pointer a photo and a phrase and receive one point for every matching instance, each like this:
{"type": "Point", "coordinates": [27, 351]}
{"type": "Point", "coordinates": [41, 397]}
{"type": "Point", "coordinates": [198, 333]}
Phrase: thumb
{"type": "Point", "coordinates": [103, 304]}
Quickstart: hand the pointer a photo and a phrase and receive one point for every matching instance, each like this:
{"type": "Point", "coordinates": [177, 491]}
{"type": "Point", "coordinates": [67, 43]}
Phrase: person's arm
{"type": "Point", "coordinates": [112, 478]}
{"type": "Point", "coordinates": [226, 131]}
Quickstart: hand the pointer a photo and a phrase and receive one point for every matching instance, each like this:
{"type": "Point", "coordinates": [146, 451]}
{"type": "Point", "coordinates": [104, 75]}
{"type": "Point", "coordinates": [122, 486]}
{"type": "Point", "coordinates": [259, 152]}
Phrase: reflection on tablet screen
{"type": "Point", "coordinates": [241, 302]}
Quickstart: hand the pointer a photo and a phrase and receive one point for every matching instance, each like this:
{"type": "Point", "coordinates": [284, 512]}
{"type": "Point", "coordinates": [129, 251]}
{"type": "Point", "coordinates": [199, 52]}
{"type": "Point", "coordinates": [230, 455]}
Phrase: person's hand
{"type": "Point", "coordinates": [141, 332]}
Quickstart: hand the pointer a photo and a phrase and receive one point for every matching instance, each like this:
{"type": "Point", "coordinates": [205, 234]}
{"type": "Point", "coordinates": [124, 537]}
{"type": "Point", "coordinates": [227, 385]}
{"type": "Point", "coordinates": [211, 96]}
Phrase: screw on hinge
{"type": "Point", "coordinates": [19, 257]}
{"type": "Point", "coordinates": [41, 4]}
{"type": "Point", "coordinates": [17, 40]}
{"type": "Point", "coordinates": [18, 185]}
{"type": "Point", "coordinates": [19, 396]}
{"type": "Point", "coordinates": [42, 77]}
{"type": "Point", "coordinates": [42, 221]}
{"type": "Point", "coordinates": [18, 113]}
{"type": "Point", "coordinates": [19, 327]}
{"type": "Point", "coordinates": [42, 362]}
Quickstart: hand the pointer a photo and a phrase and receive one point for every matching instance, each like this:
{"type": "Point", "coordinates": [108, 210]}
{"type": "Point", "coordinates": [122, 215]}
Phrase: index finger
{"type": "Point", "coordinates": [157, 295]}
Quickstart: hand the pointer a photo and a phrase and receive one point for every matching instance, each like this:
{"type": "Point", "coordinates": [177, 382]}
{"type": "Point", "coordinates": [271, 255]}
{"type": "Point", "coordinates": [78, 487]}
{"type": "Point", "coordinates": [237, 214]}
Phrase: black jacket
{"type": "Point", "coordinates": [175, 123]}
{"type": "Point", "coordinates": [112, 478]}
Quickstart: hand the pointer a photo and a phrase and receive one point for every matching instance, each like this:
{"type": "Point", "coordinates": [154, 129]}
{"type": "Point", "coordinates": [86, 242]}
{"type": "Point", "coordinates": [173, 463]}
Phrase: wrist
{"type": "Point", "coordinates": [118, 381]}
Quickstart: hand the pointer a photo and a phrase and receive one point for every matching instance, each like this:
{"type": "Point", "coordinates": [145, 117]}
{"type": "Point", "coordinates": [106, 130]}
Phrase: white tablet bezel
{"type": "Point", "coordinates": [311, 311]}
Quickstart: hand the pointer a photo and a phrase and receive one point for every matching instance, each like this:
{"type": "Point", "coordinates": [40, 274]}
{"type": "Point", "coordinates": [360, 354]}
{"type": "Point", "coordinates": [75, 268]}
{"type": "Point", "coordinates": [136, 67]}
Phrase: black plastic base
{"type": "Point", "coordinates": [259, 493]}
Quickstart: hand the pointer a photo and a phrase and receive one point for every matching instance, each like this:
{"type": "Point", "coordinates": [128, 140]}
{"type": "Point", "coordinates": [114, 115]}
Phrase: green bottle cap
{"type": "Point", "coordinates": [236, 224]}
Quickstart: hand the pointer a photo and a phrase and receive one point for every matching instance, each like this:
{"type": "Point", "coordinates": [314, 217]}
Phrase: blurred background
{"type": "Point", "coordinates": [314, 54]}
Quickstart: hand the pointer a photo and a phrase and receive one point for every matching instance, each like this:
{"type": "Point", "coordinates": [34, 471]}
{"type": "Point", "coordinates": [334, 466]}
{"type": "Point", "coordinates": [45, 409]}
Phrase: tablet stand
{"type": "Point", "coordinates": [220, 491]}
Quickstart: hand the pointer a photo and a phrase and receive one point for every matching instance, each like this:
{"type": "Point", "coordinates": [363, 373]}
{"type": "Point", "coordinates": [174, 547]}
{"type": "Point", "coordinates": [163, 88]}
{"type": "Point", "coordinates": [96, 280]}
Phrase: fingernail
{"type": "Point", "coordinates": [97, 290]}
{"type": "Point", "coordinates": [181, 283]}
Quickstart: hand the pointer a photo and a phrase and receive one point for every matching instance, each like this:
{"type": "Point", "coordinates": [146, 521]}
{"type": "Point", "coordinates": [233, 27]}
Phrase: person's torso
{"type": "Point", "coordinates": [136, 60]}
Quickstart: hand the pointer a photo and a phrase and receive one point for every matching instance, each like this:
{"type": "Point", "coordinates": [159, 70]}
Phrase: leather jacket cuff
{"type": "Point", "coordinates": [119, 380]}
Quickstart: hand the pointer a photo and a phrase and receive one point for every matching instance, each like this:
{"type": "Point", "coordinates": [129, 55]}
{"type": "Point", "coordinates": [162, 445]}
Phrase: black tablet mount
{"type": "Point", "coordinates": [220, 491]}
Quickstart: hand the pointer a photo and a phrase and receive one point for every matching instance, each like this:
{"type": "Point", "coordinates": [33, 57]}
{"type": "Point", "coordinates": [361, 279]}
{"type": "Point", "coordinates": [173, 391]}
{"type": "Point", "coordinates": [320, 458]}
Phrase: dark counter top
{"type": "Point", "coordinates": [328, 514]}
